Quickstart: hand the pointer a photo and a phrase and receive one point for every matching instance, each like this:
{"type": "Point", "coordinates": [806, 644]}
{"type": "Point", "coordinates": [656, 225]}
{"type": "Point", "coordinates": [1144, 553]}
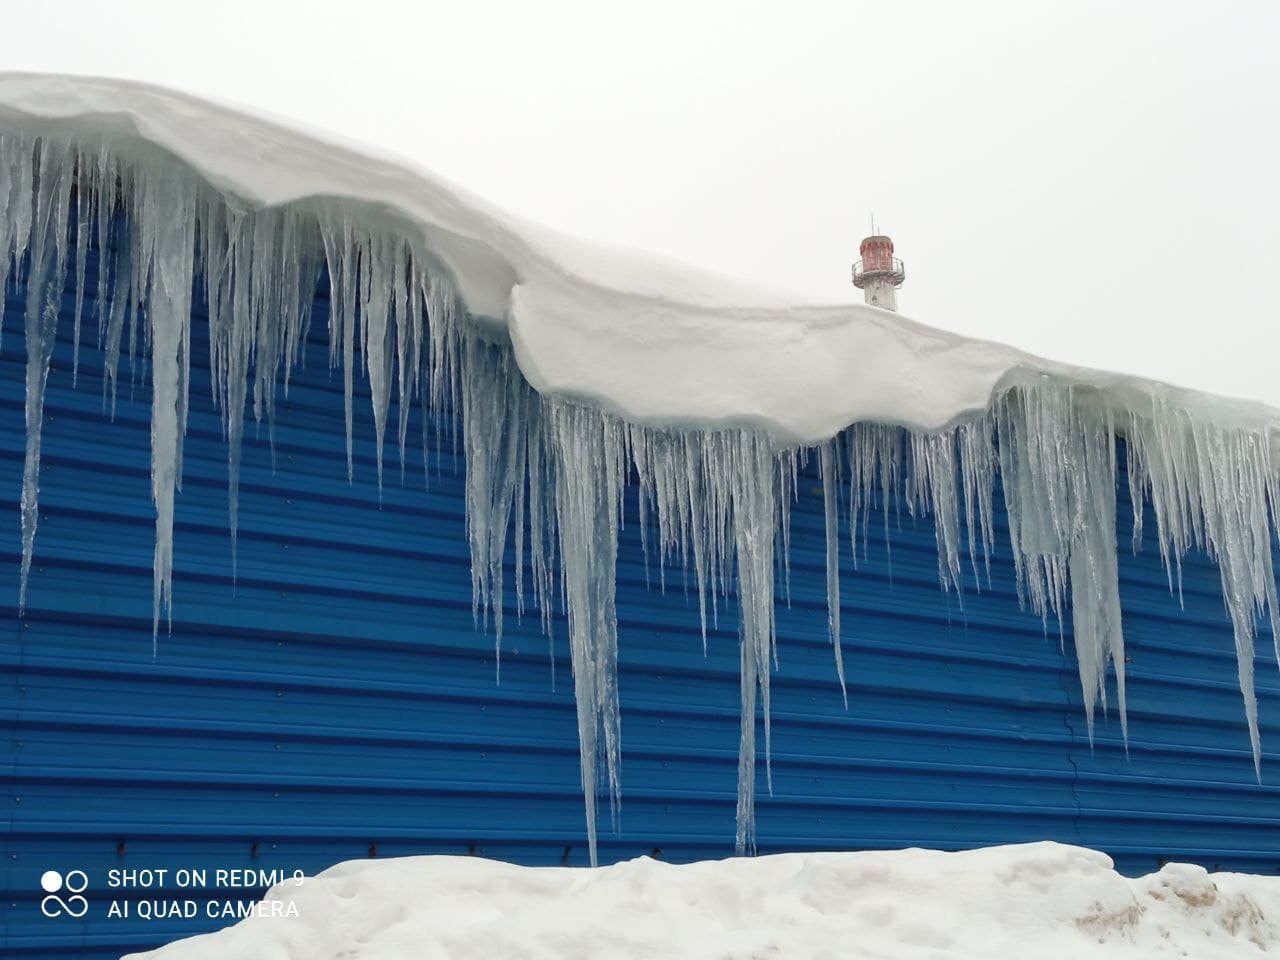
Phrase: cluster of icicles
{"type": "Point", "coordinates": [549, 475]}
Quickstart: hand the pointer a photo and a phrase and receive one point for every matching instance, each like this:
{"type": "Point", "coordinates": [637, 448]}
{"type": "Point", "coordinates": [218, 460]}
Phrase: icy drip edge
{"type": "Point", "coordinates": [549, 475]}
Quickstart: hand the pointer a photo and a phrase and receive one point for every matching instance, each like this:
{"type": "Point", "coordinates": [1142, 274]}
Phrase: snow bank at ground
{"type": "Point", "coordinates": [628, 332]}
{"type": "Point", "coordinates": [1041, 900]}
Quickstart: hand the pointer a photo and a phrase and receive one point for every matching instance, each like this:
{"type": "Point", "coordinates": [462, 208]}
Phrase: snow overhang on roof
{"type": "Point", "coordinates": [647, 338]}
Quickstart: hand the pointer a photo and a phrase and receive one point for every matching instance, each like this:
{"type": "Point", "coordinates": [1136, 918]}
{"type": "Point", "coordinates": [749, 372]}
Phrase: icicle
{"type": "Point", "coordinates": [17, 181]}
{"type": "Point", "coordinates": [231, 335]}
{"type": "Point", "coordinates": [1058, 463]}
{"type": "Point", "coordinates": [84, 192]}
{"type": "Point", "coordinates": [978, 469]}
{"type": "Point", "coordinates": [494, 415]}
{"type": "Point", "coordinates": [105, 185]}
{"type": "Point", "coordinates": [47, 215]}
{"type": "Point", "coordinates": [122, 293]}
{"type": "Point", "coordinates": [376, 293]}
{"type": "Point", "coordinates": [342, 255]}
{"type": "Point", "coordinates": [168, 218]}
{"type": "Point", "coordinates": [750, 479]}
{"type": "Point", "coordinates": [11, 165]}
{"type": "Point", "coordinates": [932, 489]}
{"type": "Point", "coordinates": [588, 463]}
{"type": "Point", "coordinates": [1215, 489]}
{"type": "Point", "coordinates": [1095, 585]}
{"type": "Point", "coordinates": [830, 483]}
{"type": "Point", "coordinates": [407, 345]}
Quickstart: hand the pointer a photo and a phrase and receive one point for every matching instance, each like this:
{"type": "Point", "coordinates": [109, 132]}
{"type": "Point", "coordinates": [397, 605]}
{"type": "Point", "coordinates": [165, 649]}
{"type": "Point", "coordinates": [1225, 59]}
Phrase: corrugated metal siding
{"type": "Point", "coordinates": [337, 702]}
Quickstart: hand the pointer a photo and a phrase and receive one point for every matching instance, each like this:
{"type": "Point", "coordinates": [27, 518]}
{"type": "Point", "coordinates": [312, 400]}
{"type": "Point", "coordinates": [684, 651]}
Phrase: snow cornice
{"type": "Point", "coordinates": [648, 339]}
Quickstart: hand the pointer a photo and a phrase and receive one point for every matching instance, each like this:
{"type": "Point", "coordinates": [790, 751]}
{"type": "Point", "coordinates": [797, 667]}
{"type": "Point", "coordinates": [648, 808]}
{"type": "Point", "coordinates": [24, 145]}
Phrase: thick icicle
{"type": "Point", "coordinates": [746, 466]}
{"type": "Point", "coordinates": [47, 213]}
{"type": "Point", "coordinates": [168, 247]}
{"type": "Point", "coordinates": [589, 475]}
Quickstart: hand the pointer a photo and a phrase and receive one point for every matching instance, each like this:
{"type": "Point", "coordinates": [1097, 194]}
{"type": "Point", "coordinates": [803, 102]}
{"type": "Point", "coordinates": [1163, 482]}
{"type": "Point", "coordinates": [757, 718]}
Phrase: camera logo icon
{"type": "Point", "coordinates": [73, 885]}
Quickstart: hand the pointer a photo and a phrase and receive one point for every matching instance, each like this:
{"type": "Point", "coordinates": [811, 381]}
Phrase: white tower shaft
{"type": "Point", "coordinates": [881, 292]}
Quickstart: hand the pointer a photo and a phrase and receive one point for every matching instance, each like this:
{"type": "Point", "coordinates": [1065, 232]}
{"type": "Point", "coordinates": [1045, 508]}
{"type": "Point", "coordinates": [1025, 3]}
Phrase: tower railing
{"type": "Point", "coordinates": [862, 274]}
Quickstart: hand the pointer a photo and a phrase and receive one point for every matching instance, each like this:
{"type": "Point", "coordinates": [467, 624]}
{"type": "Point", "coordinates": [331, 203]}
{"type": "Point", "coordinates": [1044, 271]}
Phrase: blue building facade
{"type": "Point", "coordinates": [336, 700]}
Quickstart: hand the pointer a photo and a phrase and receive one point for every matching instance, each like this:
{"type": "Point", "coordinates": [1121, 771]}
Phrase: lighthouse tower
{"type": "Point", "coordinates": [879, 274]}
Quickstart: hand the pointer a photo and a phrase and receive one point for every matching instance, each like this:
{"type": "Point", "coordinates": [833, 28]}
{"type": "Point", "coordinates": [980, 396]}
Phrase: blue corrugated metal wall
{"type": "Point", "coordinates": [337, 702]}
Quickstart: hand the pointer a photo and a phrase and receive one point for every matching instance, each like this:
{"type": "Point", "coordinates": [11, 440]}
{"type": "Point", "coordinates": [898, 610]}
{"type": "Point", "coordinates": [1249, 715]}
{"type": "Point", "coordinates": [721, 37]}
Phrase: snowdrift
{"type": "Point", "coordinates": [1045, 900]}
{"type": "Point", "coordinates": [571, 371]}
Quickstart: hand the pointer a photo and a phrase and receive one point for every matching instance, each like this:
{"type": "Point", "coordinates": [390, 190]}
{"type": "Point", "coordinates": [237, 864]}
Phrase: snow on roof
{"type": "Point", "coordinates": [636, 334]}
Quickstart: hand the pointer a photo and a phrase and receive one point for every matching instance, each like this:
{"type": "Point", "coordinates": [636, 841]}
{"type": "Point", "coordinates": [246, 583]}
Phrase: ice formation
{"type": "Point", "coordinates": [546, 470]}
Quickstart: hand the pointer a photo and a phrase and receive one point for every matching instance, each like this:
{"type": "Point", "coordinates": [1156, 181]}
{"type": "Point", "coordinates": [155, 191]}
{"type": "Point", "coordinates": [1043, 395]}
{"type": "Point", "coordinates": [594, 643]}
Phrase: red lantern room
{"type": "Point", "coordinates": [877, 254]}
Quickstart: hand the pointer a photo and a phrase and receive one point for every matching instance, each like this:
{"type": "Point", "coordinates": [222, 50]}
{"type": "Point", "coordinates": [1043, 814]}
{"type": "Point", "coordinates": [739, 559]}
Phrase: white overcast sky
{"type": "Point", "coordinates": [1091, 181]}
